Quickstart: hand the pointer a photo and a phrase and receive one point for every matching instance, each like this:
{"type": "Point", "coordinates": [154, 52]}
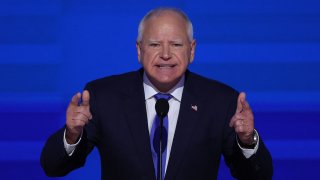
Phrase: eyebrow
{"type": "Point", "coordinates": [152, 40]}
{"type": "Point", "coordinates": [158, 41]}
{"type": "Point", "coordinates": [176, 41]}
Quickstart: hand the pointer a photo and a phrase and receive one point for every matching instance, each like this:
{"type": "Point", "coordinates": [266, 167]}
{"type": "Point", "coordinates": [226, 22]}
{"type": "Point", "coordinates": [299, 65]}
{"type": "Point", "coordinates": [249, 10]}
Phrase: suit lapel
{"type": "Point", "coordinates": [187, 120]}
{"type": "Point", "coordinates": [136, 117]}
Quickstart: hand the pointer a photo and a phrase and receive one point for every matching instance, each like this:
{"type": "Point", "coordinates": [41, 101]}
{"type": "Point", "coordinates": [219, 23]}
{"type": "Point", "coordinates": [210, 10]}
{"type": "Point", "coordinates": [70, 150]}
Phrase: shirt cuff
{"type": "Point", "coordinates": [249, 152]}
{"type": "Point", "coordinates": [70, 147]}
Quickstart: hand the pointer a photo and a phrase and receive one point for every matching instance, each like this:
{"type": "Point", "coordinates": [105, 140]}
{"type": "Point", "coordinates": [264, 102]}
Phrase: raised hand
{"type": "Point", "coordinates": [243, 120]}
{"type": "Point", "coordinates": [78, 115]}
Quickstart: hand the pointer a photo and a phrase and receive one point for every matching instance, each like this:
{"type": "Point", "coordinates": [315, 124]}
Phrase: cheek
{"type": "Point", "coordinates": [146, 60]}
{"type": "Point", "coordinates": [148, 57]}
{"type": "Point", "coordinates": [184, 58]}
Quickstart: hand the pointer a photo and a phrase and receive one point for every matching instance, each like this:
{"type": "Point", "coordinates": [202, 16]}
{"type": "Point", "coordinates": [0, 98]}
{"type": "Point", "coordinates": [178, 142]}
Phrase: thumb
{"type": "Point", "coordinates": [241, 100]}
{"type": "Point", "coordinates": [85, 98]}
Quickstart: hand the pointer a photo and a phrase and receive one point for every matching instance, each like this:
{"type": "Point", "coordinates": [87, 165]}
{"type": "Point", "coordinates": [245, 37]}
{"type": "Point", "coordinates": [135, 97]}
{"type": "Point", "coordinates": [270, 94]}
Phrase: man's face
{"type": "Point", "coordinates": [165, 50]}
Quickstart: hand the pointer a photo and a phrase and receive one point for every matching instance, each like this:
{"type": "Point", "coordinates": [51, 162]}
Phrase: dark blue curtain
{"type": "Point", "coordinates": [49, 49]}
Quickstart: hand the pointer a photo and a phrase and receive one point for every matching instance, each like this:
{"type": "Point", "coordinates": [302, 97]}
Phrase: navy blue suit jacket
{"type": "Point", "coordinates": [119, 130]}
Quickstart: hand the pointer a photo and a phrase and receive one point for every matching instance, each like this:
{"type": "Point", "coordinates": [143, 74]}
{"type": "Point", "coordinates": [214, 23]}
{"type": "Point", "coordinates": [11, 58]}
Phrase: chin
{"type": "Point", "coordinates": [166, 80]}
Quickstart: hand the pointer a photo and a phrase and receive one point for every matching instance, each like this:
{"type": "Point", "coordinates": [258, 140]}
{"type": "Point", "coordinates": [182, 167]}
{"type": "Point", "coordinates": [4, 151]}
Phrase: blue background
{"type": "Point", "coordinates": [49, 49]}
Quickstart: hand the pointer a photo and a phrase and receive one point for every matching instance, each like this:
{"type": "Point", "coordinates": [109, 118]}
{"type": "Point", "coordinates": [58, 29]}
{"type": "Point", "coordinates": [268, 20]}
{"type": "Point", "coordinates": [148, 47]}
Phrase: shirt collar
{"type": "Point", "coordinates": [150, 90]}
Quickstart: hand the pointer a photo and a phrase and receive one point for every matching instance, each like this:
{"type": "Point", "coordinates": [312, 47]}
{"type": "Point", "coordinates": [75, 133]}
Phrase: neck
{"type": "Point", "coordinates": [164, 87]}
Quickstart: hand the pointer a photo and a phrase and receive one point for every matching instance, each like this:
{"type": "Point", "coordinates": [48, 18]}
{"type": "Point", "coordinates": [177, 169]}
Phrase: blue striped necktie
{"type": "Point", "coordinates": [155, 138]}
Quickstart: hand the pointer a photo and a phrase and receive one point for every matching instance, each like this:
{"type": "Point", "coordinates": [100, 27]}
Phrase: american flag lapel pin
{"type": "Point", "coordinates": [194, 107]}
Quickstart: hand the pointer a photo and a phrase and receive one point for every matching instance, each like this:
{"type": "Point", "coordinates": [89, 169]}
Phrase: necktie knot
{"type": "Point", "coordinates": [162, 95]}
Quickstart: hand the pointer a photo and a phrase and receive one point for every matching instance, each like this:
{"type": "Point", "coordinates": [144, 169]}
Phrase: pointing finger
{"type": "Point", "coordinates": [75, 99]}
{"type": "Point", "coordinates": [245, 104]}
{"type": "Point", "coordinates": [85, 98]}
{"type": "Point", "coordinates": [241, 99]}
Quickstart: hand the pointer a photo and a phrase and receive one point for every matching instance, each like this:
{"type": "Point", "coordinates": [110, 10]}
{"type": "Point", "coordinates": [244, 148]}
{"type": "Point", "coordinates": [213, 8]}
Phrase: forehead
{"type": "Point", "coordinates": [167, 22]}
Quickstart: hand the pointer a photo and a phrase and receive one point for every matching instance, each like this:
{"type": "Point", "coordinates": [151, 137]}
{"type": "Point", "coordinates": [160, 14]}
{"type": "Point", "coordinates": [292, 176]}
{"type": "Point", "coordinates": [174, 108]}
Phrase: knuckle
{"type": "Point", "coordinates": [238, 123]}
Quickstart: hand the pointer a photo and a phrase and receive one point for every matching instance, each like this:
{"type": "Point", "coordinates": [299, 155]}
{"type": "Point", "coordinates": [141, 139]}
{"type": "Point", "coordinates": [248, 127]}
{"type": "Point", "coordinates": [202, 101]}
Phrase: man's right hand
{"type": "Point", "coordinates": [78, 115]}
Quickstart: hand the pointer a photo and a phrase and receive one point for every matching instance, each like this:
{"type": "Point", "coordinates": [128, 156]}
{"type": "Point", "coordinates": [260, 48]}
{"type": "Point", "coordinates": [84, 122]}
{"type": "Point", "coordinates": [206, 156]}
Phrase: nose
{"type": "Point", "coordinates": [165, 54]}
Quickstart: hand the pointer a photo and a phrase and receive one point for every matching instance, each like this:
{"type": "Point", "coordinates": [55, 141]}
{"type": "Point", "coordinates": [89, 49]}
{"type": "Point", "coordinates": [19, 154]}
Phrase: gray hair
{"type": "Point", "coordinates": [157, 12]}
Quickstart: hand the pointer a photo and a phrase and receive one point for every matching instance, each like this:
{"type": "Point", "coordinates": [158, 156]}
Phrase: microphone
{"type": "Point", "coordinates": [162, 109]}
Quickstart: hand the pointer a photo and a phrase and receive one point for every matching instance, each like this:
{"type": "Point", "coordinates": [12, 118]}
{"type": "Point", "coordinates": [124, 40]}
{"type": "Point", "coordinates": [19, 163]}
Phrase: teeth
{"type": "Point", "coordinates": [165, 66]}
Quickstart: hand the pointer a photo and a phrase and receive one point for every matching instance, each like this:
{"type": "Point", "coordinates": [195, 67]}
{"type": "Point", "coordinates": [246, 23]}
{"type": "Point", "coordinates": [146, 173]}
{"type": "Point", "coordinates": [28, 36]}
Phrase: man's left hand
{"type": "Point", "coordinates": [242, 121]}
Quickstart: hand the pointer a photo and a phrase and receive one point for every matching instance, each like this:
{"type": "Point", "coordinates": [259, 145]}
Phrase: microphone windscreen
{"type": "Point", "coordinates": [162, 107]}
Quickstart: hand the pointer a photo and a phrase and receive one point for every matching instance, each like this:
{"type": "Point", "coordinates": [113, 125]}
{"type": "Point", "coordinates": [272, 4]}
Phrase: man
{"type": "Point", "coordinates": [206, 118]}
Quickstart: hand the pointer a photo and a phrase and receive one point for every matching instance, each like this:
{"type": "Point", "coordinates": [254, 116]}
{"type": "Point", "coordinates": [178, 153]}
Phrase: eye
{"type": "Point", "coordinates": [177, 44]}
{"type": "Point", "coordinates": [154, 44]}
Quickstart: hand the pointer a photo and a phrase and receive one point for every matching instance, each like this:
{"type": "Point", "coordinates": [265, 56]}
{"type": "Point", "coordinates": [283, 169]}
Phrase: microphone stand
{"type": "Point", "coordinates": [160, 150]}
{"type": "Point", "coordinates": [162, 109]}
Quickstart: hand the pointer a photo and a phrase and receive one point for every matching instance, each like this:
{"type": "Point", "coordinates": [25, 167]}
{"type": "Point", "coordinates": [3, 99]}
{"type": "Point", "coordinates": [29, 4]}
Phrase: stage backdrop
{"type": "Point", "coordinates": [49, 49]}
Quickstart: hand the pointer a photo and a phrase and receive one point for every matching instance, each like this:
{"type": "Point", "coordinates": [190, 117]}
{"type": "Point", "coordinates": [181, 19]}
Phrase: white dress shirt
{"type": "Point", "coordinates": [174, 104]}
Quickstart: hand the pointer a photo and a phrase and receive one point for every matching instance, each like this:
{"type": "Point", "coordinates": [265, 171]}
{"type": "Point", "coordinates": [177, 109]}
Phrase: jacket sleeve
{"type": "Point", "coordinates": [54, 159]}
{"type": "Point", "coordinates": [257, 167]}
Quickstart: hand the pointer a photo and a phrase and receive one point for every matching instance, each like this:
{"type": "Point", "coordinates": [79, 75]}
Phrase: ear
{"type": "Point", "coordinates": [138, 46]}
{"type": "Point", "coordinates": [192, 51]}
